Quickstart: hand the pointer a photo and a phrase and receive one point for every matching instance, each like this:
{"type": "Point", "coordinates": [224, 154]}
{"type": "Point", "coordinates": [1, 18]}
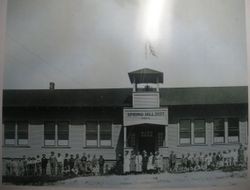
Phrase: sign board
{"type": "Point", "coordinates": [145, 116]}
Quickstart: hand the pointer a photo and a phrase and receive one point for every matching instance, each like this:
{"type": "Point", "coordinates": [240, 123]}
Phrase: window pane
{"type": "Point", "coordinates": [49, 131]}
{"type": "Point", "coordinates": [132, 140]}
{"type": "Point", "coordinates": [91, 133]}
{"type": "Point", "coordinates": [9, 131]}
{"type": "Point", "coordinates": [22, 130]}
{"type": "Point", "coordinates": [63, 131]}
{"type": "Point", "coordinates": [105, 133]}
{"type": "Point", "coordinates": [233, 130]}
{"type": "Point", "coordinates": [185, 131]}
{"type": "Point", "coordinates": [160, 139]}
{"type": "Point", "coordinates": [199, 131]}
{"type": "Point", "coordinates": [219, 131]}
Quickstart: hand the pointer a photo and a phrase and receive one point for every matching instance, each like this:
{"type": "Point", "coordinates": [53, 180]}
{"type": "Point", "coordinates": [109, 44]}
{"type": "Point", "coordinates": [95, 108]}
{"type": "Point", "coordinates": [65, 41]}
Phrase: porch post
{"type": "Point", "coordinates": [166, 135]}
{"type": "Point", "coordinates": [125, 136]}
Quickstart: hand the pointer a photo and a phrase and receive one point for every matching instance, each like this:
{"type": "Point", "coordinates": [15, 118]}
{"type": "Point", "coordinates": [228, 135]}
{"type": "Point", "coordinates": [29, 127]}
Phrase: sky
{"type": "Point", "coordinates": [95, 43]}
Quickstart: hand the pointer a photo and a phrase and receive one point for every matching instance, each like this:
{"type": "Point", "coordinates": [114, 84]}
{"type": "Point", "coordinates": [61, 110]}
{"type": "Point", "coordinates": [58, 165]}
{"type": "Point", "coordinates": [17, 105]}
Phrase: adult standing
{"type": "Point", "coordinates": [8, 167]}
{"type": "Point", "coordinates": [77, 165]}
{"type": "Point", "coordinates": [59, 164]}
{"type": "Point", "coordinates": [101, 162]}
{"type": "Point", "coordinates": [172, 161]}
{"type": "Point", "coordinates": [83, 163]}
{"type": "Point", "coordinates": [14, 167]}
{"type": "Point", "coordinates": [132, 162]}
{"type": "Point", "coordinates": [144, 161]}
{"type": "Point", "coordinates": [44, 162]}
{"type": "Point", "coordinates": [138, 162]}
{"type": "Point", "coordinates": [38, 165]}
{"type": "Point", "coordinates": [119, 165]}
{"type": "Point", "coordinates": [126, 164]}
{"type": "Point", "coordinates": [24, 160]}
{"type": "Point", "coordinates": [160, 163]}
{"type": "Point", "coordinates": [157, 161]}
{"type": "Point", "coordinates": [189, 161]}
{"type": "Point", "coordinates": [94, 165]}
{"type": "Point", "coordinates": [52, 161]}
{"type": "Point", "coordinates": [71, 163]}
{"type": "Point", "coordinates": [88, 165]}
{"type": "Point", "coordinates": [20, 168]}
{"type": "Point", "coordinates": [66, 167]}
{"type": "Point", "coordinates": [241, 155]}
{"type": "Point", "coordinates": [150, 165]}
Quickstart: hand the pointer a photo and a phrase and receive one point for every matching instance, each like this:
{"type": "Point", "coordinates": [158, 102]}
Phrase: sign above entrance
{"type": "Point", "coordinates": [145, 116]}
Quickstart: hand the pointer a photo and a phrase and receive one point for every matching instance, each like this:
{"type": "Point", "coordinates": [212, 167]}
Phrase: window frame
{"type": "Point", "coordinates": [49, 145]}
{"type": "Point", "coordinates": [98, 145]}
{"type": "Point", "coordinates": [86, 139]}
{"type": "Point", "coordinates": [224, 137]}
{"type": "Point", "coordinates": [16, 139]}
{"type": "Point", "coordinates": [56, 140]}
{"type": "Point", "coordinates": [238, 130]}
{"type": "Point", "coordinates": [57, 134]}
{"type": "Point", "coordinates": [160, 139]}
{"type": "Point", "coordinates": [100, 130]}
{"type": "Point", "coordinates": [179, 132]}
{"type": "Point", "coordinates": [17, 134]}
{"type": "Point", "coordinates": [205, 132]}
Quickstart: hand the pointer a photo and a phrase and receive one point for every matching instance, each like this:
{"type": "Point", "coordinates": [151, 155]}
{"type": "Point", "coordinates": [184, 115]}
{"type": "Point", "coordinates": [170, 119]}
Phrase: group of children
{"type": "Point", "coordinates": [207, 162]}
{"type": "Point", "coordinates": [58, 165]}
{"type": "Point", "coordinates": [131, 163]}
{"type": "Point", "coordinates": [142, 163]}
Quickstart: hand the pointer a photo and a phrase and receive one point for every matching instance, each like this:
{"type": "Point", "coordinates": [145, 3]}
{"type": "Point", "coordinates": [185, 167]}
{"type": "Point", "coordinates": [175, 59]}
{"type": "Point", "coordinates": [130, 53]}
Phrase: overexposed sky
{"type": "Point", "coordinates": [95, 43]}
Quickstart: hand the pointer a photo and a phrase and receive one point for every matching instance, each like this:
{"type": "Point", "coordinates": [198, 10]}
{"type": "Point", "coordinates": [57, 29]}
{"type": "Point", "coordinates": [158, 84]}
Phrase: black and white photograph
{"type": "Point", "coordinates": [125, 94]}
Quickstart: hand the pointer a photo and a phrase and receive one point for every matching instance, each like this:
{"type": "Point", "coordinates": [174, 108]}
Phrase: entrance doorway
{"type": "Point", "coordinates": [146, 137]}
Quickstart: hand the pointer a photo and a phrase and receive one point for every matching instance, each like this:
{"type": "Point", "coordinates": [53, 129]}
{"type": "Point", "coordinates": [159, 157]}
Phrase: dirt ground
{"type": "Point", "coordinates": [193, 179]}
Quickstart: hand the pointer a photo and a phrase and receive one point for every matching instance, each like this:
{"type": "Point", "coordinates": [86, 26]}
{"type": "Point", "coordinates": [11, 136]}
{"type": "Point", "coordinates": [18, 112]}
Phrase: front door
{"type": "Point", "coordinates": [146, 138]}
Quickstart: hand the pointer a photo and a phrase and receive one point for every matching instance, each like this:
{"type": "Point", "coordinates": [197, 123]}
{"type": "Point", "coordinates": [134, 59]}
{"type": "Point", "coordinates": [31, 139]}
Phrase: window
{"type": "Point", "coordinates": [233, 130]}
{"type": "Point", "coordinates": [16, 133]}
{"type": "Point", "coordinates": [63, 133]}
{"type": "Point", "coordinates": [131, 140]}
{"type": "Point", "coordinates": [219, 131]}
{"type": "Point", "coordinates": [49, 134]}
{"type": "Point", "coordinates": [105, 134]}
{"type": "Point", "coordinates": [185, 132]}
{"type": "Point", "coordinates": [10, 133]}
{"type": "Point", "coordinates": [199, 132]}
{"type": "Point", "coordinates": [160, 139]}
{"type": "Point", "coordinates": [22, 133]}
{"type": "Point", "coordinates": [92, 134]}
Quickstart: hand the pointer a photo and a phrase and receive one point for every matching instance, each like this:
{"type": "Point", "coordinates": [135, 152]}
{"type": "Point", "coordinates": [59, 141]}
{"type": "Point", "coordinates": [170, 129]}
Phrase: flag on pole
{"type": "Point", "coordinates": [149, 50]}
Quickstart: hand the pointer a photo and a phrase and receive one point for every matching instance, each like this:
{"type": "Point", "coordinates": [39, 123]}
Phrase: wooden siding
{"type": "Point", "coordinates": [146, 100]}
{"type": "Point", "coordinates": [76, 144]}
{"type": "Point", "coordinates": [173, 141]}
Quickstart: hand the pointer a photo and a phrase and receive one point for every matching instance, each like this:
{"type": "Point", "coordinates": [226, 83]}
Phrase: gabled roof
{"type": "Point", "coordinates": [122, 97]}
{"type": "Point", "coordinates": [146, 76]}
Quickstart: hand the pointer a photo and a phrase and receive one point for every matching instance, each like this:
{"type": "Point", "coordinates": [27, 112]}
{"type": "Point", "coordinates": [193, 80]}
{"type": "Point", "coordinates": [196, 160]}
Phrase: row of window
{"type": "Point", "coordinates": [57, 134]}
{"type": "Point", "coordinates": [194, 132]}
{"type": "Point", "coordinates": [100, 134]}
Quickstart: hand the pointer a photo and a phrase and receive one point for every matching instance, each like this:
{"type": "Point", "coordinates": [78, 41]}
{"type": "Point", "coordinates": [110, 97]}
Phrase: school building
{"type": "Point", "coordinates": [109, 121]}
